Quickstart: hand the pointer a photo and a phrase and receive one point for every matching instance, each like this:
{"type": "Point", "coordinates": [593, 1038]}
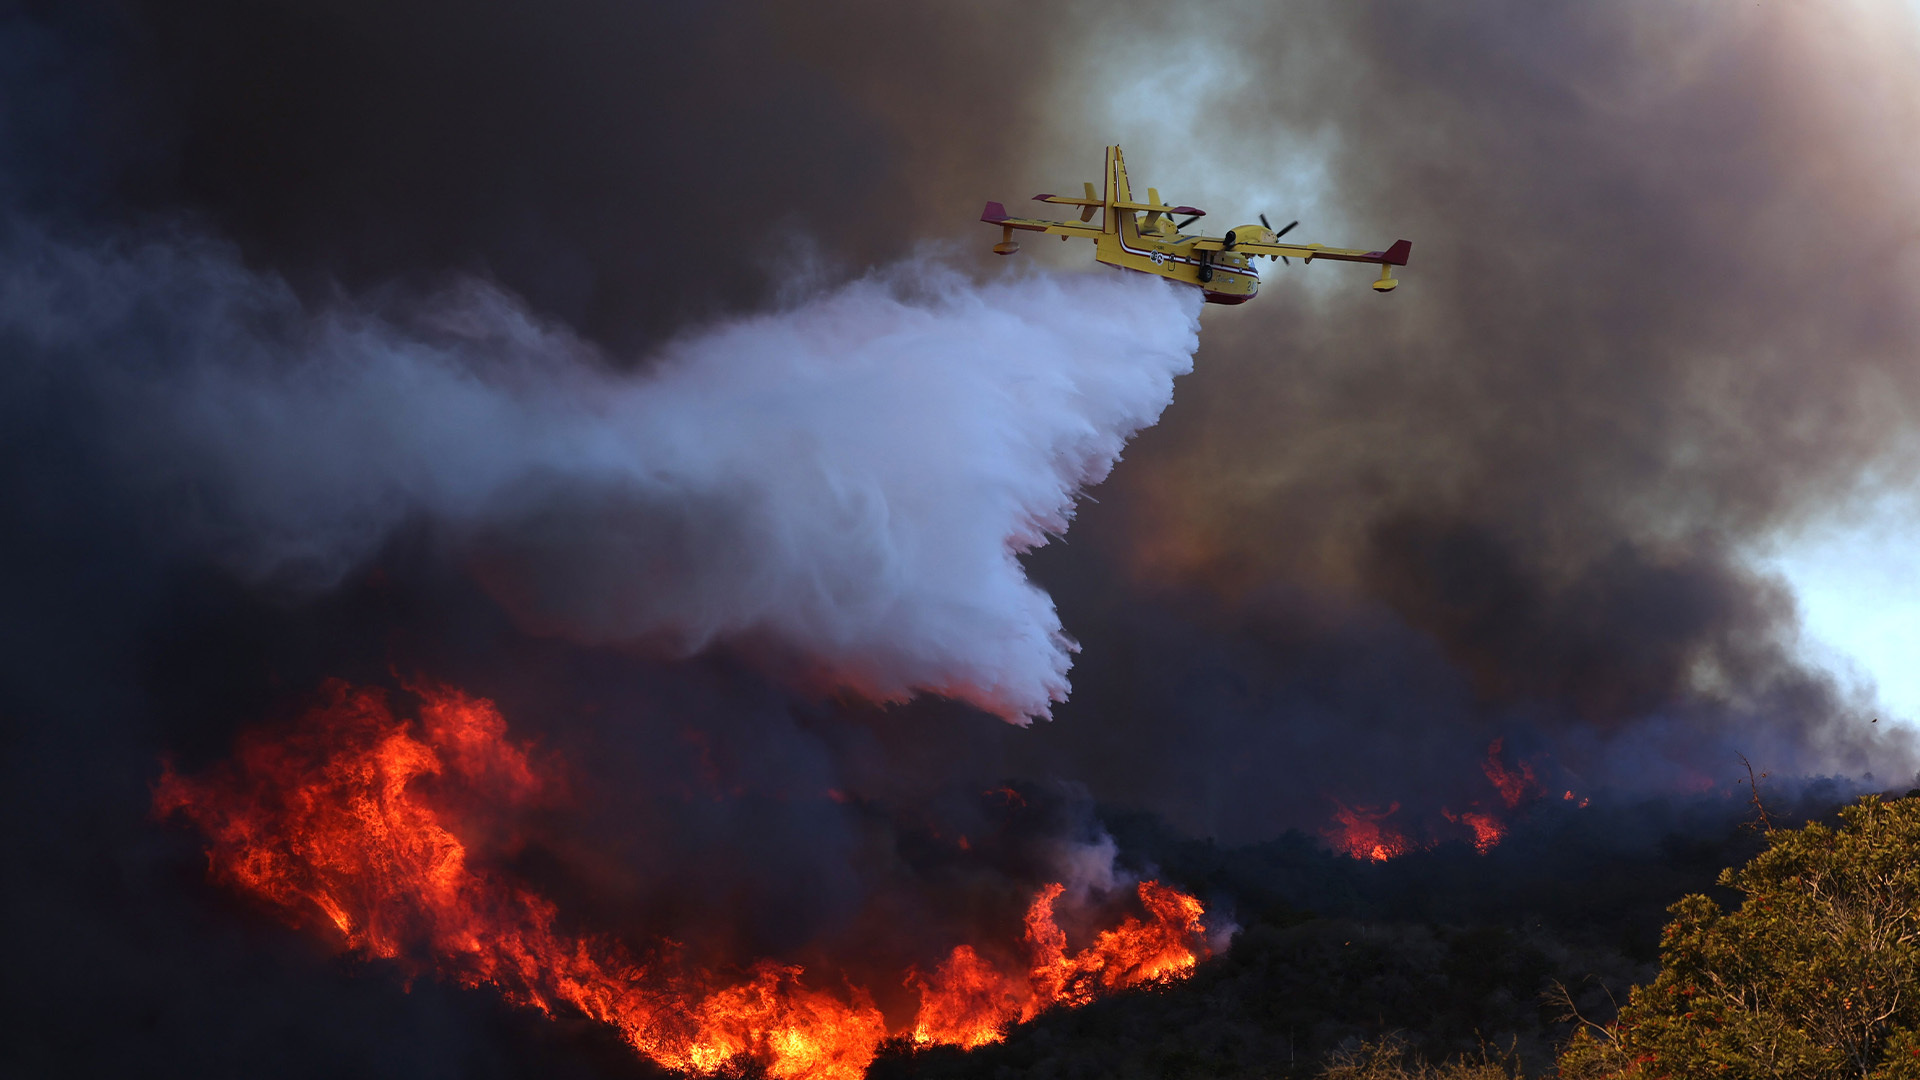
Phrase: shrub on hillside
{"type": "Point", "coordinates": [1393, 1058]}
{"type": "Point", "coordinates": [1816, 975]}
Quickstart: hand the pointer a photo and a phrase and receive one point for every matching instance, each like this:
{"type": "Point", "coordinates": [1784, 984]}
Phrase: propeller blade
{"type": "Point", "coordinates": [1286, 260]}
{"type": "Point", "coordinates": [1265, 224]}
{"type": "Point", "coordinates": [1183, 225]}
{"type": "Point", "coordinates": [1286, 230]}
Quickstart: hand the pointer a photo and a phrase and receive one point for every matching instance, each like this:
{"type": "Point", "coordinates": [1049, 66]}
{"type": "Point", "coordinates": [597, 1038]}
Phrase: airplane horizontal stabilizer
{"type": "Point", "coordinates": [996, 214]}
{"type": "Point", "coordinates": [1395, 255]}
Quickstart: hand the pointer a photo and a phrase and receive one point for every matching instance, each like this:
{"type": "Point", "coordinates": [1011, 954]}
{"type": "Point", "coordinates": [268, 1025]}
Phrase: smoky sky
{"type": "Point", "coordinates": [628, 168]}
{"type": "Point", "coordinates": [1656, 310]}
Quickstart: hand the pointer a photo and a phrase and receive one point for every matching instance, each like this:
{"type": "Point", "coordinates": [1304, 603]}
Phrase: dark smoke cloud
{"type": "Point", "coordinates": [624, 167]}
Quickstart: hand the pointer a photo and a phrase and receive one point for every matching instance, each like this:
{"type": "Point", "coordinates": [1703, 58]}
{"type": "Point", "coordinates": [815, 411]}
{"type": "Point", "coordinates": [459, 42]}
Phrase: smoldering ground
{"type": "Point", "coordinates": [1512, 498]}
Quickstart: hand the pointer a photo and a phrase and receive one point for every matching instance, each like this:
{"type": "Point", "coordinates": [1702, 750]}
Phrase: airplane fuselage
{"type": "Point", "coordinates": [1223, 277]}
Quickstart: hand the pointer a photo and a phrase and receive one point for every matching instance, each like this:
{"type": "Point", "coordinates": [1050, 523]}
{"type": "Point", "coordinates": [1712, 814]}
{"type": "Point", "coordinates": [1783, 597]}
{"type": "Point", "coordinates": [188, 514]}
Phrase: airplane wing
{"type": "Point", "coordinates": [1396, 255]}
{"type": "Point", "coordinates": [1087, 205]}
{"type": "Point", "coordinates": [996, 214]}
{"type": "Point", "coordinates": [1068, 200]}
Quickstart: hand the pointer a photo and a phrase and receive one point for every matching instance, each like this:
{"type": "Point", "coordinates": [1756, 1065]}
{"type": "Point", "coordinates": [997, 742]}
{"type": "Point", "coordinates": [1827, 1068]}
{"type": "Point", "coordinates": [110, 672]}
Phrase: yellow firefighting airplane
{"type": "Point", "coordinates": [1220, 267]}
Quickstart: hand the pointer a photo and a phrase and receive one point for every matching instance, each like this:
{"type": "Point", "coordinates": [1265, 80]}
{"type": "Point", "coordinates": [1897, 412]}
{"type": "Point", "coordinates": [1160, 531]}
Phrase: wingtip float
{"type": "Point", "coordinates": [1221, 267]}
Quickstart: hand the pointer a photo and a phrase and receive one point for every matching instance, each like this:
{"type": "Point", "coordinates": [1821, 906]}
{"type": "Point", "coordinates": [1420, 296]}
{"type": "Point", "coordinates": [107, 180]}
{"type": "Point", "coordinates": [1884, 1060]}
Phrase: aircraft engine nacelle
{"type": "Point", "coordinates": [1258, 234]}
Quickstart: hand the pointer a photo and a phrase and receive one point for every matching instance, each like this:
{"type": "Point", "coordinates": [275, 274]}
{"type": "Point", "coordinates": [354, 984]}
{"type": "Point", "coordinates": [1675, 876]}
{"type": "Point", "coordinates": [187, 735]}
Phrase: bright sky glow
{"type": "Point", "coordinates": [1858, 583]}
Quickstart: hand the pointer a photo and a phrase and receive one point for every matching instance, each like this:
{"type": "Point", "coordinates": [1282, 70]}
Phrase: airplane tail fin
{"type": "Point", "coordinates": [1117, 189]}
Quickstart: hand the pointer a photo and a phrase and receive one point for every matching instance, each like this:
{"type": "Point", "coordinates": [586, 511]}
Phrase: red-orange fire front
{"type": "Point", "coordinates": [355, 817]}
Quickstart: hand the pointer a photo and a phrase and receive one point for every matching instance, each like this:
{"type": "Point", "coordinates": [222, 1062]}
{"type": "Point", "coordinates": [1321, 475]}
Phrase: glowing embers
{"type": "Point", "coordinates": [355, 819]}
{"type": "Point", "coordinates": [1373, 834]}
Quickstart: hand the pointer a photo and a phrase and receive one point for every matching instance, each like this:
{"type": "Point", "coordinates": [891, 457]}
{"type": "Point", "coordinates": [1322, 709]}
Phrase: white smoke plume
{"type": "Point", "coordinates": [844, 484]}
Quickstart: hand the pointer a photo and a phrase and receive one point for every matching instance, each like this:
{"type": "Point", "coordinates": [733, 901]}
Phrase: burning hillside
{"type": "Point", "coordinates": [695, 432]}
{"type": "Point", "coordinates": [1378, 834]}
{"type": "Point", "coordinates": [386, 834]}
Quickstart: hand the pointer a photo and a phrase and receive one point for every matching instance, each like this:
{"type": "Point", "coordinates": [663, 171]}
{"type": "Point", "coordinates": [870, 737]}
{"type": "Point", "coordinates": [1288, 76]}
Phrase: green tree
{"type": "Point", "coordinates": [1816, 975]}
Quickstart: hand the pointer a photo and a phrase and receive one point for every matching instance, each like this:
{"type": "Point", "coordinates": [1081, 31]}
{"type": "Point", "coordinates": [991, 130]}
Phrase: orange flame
{"type": "Point", "coordinates": [1488, 830]}
{"type": "Point", "coordinates": [1515, 785]}
{"type": "Point", "coordinates": [347, 816]}
{"type": "Point", "coordinates": [969, 1002]}
{"type": "Point", "coordinates": [1361, 832]}
{"type": "Point", "coordinates": [966, 1002]}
